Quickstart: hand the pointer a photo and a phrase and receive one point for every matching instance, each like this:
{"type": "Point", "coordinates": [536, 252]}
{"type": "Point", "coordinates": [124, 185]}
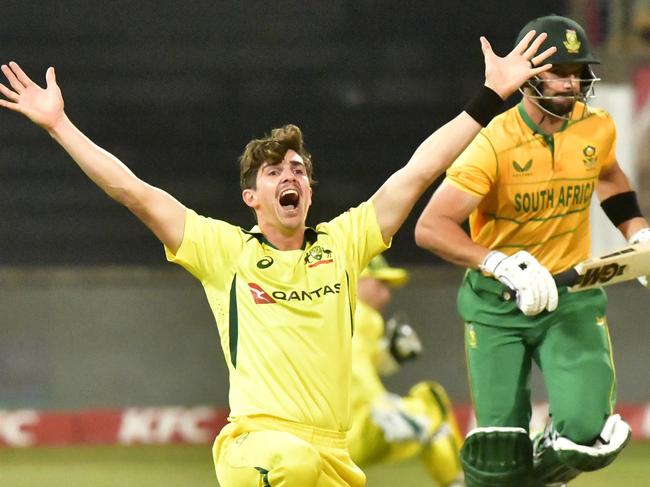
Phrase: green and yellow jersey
{"type": "Point", "coordinates": [536, 189]}
{"type": "Point", "coordinates": [285, 318]}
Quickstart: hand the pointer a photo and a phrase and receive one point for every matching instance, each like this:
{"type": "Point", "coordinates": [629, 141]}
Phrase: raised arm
{"type": "Point", "coordinates": [159, 211]}
{"type": "Point", "coordinates": [503, 75]}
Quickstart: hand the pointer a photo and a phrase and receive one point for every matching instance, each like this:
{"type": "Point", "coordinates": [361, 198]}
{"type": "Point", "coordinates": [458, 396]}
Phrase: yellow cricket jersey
{"type": "Point", "coordinates": [366, 352]}
{"type": "Point", "coordinates": [285, 318]}
{"type": "Point", "coordinates": [536, 189]}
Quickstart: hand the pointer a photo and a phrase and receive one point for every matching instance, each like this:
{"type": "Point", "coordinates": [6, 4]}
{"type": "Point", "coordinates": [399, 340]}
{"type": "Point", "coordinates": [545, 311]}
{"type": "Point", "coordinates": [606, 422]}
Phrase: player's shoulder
{"type": "Point", "coordinates": [502, 126]}
{"type": "Point", "coordinates": [588, 111]}
{"type": "Point", "coordinates": [213, 223]}
{"type": "Point", "coordinates": [354, 212]}
{"type": "Point", "coordinates": [349, 224]}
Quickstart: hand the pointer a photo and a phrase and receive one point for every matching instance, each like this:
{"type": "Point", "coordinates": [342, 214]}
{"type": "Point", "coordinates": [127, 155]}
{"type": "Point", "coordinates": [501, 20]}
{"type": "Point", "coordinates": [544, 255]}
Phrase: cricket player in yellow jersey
{"type": "Point", "coordinates": [526, 184]}
{"type": "Point", "coordinates": [283, 294]}
{"type": "Point", "coordinates": [386, 427]}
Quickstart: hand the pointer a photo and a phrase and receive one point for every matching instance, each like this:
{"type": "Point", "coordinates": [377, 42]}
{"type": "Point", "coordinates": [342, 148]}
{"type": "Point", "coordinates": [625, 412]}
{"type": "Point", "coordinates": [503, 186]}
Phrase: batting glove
{"type": "Point", "coordinates": [399, 344]}
{"type": "Point", "coordinates": [403, 341]}
{"type": "Point", "coordinates": [532, 282]}
{"type": "Point", "coordinates": [397, 424]}
{"type": "Point", "coordinates": [642, 235]}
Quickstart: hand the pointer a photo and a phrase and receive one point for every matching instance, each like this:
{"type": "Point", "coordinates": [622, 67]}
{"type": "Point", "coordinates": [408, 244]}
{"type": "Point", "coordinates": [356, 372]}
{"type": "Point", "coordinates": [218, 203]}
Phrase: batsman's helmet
{"type": "Point", "coordinates": [572, 46]}
{"type": "Point", "coordinates": [566, 35]}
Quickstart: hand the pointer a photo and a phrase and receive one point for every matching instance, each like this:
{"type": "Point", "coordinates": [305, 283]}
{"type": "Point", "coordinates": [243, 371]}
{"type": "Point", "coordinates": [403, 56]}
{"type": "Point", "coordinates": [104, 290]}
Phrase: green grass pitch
{"type": "Point", "coordinates": [180, 466]}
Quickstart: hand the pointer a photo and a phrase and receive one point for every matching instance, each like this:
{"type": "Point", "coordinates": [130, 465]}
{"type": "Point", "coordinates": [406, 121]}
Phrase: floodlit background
{"type": "Point", "coordinates": [92, 318]}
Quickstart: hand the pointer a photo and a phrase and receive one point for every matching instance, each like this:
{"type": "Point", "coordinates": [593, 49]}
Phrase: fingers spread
{"type": "Point", "coordinates": [537, 60]}
{"type": "Point", "coordinates": [532, 49]}
{"type": "Point", "coordinates": [11, 77]}
{"type": "Point", "coordinates": [50, 76]}
{"type": "Point", "coordinates": [20, 74]}
{"type": "Point", "coordinates": [12, 95]}
{"type": "Point", "coordinates": [485, 45]}
{"type": "Point", "coordinates": [540, 69]}
{"type": "Point", "coordinates": [9, 105]}
{"type": "Point", "coordinates": [523, 44]}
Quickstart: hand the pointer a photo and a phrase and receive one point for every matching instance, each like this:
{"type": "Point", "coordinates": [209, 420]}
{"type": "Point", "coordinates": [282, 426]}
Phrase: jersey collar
{"type": "Point", "coordinates": [311, 235]}
{"type": "Point", "coordinates": [532, 125]}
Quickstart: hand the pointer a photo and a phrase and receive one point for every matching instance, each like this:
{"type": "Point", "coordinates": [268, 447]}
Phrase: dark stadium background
{"type": "Point", "coordinates": [176, 89]}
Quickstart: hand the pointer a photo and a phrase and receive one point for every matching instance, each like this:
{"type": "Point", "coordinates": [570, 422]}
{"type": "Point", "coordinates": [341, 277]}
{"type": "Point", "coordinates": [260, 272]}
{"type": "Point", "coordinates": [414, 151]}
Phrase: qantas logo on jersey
{"type": "Point", "coordinates": [260, 296]}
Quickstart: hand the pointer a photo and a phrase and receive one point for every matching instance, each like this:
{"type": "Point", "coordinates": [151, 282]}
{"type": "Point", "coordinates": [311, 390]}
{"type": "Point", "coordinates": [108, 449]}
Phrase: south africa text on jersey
{"type": "Point", "coordinates": [565, 196]}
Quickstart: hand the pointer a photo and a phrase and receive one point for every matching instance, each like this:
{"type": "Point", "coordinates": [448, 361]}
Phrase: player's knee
{"type": "Point", "coordinates": [559, 459]}
{"type": "Point", "coordinates": [434, 397]}
{"type": "Point", "coordinates": [431, 391]}
{"type": "Point", "coordinates": [494, 457]}
{"type": "Point", "coordinates": [300, 466]}
{"type": "Point", "coordinates": [581, 427]}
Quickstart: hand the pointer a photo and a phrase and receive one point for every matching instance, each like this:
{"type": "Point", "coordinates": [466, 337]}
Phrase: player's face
{"type": "Point", "coordinates": [562, 81]}
{"type": "Point", "coordinates": [282, 195]}
{"type": "Point", "coordinates": [374, 292]}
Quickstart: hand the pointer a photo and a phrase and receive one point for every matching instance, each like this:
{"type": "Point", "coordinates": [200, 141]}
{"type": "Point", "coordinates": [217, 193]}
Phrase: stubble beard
{"type": "Point", "coordinates": [558, 108]}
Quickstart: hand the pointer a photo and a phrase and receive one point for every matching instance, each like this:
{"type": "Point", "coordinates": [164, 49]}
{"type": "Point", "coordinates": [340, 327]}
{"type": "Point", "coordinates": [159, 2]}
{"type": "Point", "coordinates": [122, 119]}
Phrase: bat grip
{"type": "Point", "coordinates": [566, 278]}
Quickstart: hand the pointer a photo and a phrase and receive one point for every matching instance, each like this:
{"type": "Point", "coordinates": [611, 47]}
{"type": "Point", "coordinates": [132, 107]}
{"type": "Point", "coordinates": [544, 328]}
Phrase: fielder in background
{"type": "Point", "coordinates": [526, 184]}
{"type": "Point", "coordinates": [387, 427]}
{"type": "Point", "coordinates": [282, 294]}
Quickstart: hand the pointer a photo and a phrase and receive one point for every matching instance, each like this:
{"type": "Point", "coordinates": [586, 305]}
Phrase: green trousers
{"type": "Point", "coordinates": [570, 345]}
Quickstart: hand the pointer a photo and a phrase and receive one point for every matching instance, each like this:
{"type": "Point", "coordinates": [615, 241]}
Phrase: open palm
{"type": "Point", "coordinates": [505, 74]}
{"type": "Point", "coordinates": [43, 106]}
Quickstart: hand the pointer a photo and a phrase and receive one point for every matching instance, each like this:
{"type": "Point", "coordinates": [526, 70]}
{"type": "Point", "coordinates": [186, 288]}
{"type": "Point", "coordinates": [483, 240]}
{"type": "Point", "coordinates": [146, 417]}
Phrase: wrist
{"type": "Point", "coordinates": [642, 235]}
{"type": "Point", "coordinates": [58, 126]}
{"type": "Point", "coordinates": [491, 261]}
{"type": "Point", "coordinates": [485, 105]}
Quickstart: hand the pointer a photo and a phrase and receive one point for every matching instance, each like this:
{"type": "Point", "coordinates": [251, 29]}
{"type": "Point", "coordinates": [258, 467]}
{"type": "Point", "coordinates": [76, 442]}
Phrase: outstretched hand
{"type": "Point", "coordinates": [42, 106]}
{"type": "Point", "coordinates": [506, 74]}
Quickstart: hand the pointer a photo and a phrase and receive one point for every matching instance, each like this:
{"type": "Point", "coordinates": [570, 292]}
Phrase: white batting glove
{"type": "Point", "coordinates": [642, 235]}
{"type": "Point", "coordinates": [399, 425]}
{"type": "Point", "coordinates": [399, 344]}
{"type": "Point", "coordinates": [531, 281]}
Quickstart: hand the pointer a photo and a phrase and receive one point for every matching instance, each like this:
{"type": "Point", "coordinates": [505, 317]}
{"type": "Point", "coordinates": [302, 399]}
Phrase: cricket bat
{"type": "Point", "coordinates": [621, 265]}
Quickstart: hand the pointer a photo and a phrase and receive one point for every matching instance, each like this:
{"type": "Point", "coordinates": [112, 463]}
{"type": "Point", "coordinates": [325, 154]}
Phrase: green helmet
{"type": "Point", "coordinates": [567, 35]}
{"type": "Point", "coordinates": [572, 48]}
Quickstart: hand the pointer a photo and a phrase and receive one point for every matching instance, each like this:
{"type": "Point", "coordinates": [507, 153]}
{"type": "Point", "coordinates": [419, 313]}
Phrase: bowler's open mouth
{"type": "Point", "coordinates": [289, 199]}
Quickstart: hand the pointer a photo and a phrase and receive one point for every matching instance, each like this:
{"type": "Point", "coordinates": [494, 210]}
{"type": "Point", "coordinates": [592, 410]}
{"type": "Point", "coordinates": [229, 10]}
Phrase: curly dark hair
{"type": "Point", "coordinates": [272, 149]}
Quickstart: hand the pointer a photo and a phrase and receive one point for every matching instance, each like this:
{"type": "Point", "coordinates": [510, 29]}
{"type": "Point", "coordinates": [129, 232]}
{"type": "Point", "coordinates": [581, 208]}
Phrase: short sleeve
{"type": "Point", "coordinates": [610, 156]}
{"type": "Point", "coordinates": [208, 245]}
{"type": "Point", "coordinates": [476, 169]}
{"type": "Point", "coordinates": [360, 234]}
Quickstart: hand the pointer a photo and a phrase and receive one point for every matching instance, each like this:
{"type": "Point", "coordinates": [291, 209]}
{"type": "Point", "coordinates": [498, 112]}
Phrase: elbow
{"type": "Point", "coordinates": [128, 195]}
{"type": "Point", "coordinates": [424, 235]}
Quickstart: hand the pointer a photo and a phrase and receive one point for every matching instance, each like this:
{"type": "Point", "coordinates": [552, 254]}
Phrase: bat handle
{"type": "Point", "coordinates": [566, 278]}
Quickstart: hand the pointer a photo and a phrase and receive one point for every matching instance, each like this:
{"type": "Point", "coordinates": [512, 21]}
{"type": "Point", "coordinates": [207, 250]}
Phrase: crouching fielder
{"type": "Point", "coordinates": [526, 183]}
{"type": "Point", "coordinates": [387, 427]}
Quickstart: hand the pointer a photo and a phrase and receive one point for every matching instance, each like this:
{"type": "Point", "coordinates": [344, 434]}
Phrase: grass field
{"type": "Point", "coordinates": [181, 466]}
